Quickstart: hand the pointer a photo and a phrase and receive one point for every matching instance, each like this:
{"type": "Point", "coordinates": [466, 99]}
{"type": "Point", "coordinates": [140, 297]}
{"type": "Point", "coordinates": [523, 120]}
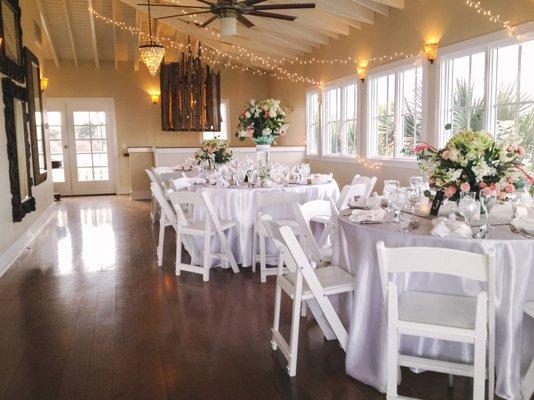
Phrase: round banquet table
{"type": "Point", "coordinates": [238, 204]}
{"type": "Point", "coordinates": [367, 349]}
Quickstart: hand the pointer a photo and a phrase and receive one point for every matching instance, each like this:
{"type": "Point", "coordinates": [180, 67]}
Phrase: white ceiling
{"type": "Point", "coordinates": [71, 33]}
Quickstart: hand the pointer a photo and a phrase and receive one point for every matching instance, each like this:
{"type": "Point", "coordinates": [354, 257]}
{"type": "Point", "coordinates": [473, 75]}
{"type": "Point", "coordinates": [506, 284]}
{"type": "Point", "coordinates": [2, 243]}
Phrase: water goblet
{"type": "Point", "coordinates": [416, 182]}
{"type": "Point", "coordinates": [398, 201]}
{"type": "Point", "coordinates": [467, 206]}
{"type": "Point", "coordinates": [488, 198]}
{"type": "Point", "coordinates": [390, 187]}
{"type": "Point", "coordinates": [413, 195]}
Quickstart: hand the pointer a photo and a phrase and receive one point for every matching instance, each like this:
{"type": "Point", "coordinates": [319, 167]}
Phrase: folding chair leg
{"type": "Point", "coordinates": [479, 377]}
{"type": "Point", "coordinates": [304, 310]}
{"type": "Point", "coordinates": [161, 240]}
{"type": "Point", "coordinates": [254, 248]}
{"type": "Point", "coordinates": [263, 261]}
{"type": "Point", "coordinates": [207, 257]}
{"type": "Point", "coordinates": [276, 318]}
{"type": "Point", "coordinates": [294, 340]}
{"type": "Point", "coordinates": [228, 252]}
{"type": "Point", "coordinates": [527, 386]}
{"type": "Point", "coordinates": [178, 253]}
{"type": "Point", "coordinates": [393, 346]}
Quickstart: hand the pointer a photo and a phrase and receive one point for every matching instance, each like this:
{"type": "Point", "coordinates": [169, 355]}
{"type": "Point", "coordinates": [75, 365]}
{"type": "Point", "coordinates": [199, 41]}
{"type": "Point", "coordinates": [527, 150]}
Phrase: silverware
{"type": "Point", "coordinates": [482, 233]}
{"type": "Point", "coordinates": [521, 231]}
{"type": "Point", "coordinates": [412, 224]}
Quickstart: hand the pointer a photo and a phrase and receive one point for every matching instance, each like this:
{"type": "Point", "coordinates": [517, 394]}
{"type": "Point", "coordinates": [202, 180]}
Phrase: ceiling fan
{"type": "Point", "coordinates": [229, 12]}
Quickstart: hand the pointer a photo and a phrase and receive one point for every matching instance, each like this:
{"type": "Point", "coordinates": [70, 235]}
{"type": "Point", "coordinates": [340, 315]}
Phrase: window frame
{"type": "Point", "coordinates": [341, 84]}
{"type": "Point", "coordinates": [224, 120]}
{"type": "Point", "coordinates": [309, 93]}
{"type": "Point", "coordinates": [396, 68]}
{"type": "Point", "coordinates": [487, 44]}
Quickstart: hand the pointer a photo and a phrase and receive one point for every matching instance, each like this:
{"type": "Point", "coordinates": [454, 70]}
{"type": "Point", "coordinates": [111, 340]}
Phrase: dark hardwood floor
{"type": "Point", "coordinates": [85, 313]}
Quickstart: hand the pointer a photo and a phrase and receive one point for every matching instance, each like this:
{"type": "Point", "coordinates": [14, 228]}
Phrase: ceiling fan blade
{"type": "Point", "coordinates": [245, 21]}
{"type": "Point", "coordinates": [207, 2]}
{"type": "Point", "coordinates": [208, 21]}
{"type": "Point", "coordinates": [172, 5]}
{"type": "Point", "coordinates": [284, 6]}
{"type": "Point", "coordinates": [183, 15]}
{"type": "Point", "coordinates": [272, 15]}
{"type": "Point", "coordinates": [251, 2]}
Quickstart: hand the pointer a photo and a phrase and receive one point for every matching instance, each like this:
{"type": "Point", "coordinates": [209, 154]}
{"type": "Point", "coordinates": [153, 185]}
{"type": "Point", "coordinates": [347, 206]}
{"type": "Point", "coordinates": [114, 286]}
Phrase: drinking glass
{"type": "Point", "coordinates": [398, 201]}
{"type": "Point", "coordinates": [467, 206]}
{"type": "Point", "coordinates": [488, 198]}
{"type": "Point", "coordinates": [390, 187]}
{"type": "Point", "coordinates": [416, 182]}
{"type": "Point", "coordinates": [413, 195]}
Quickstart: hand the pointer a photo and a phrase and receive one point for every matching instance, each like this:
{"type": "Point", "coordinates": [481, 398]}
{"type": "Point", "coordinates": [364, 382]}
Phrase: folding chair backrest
{"type": "Point", "coordinates": [151, 176]}
{"type": "Point", "coordinates": [273, 229]}
{"type": "Point", "coordinates": [370, 182]}
{"type": "Point", "coordinates": [349, 192]}
{"type": "Point", "coordinates": [462, 264]}
{"type": "Point", "coordinates": [166, 208]}
{"type": "Point", "coordinates": [181, 183]}
{"type": "Point", "coordinates": [303, 213]}
{"type": "Point", "coordinates": [266, 199]}
{"type": "Point", "coordinates": [181, 200]}
{"type": "Point", "coordinates": [213, 217]}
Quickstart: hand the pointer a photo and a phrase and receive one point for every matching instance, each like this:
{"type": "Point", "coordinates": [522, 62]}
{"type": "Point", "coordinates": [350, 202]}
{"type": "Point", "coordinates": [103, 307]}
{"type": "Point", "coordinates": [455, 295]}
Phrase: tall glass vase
{"type": "Point", "coordinates": [263, 148]}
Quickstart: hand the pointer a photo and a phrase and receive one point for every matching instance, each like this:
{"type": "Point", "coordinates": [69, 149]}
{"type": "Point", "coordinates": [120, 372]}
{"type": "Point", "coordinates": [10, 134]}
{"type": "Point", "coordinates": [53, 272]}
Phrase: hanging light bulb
{"type": "Point", "coordinates": [151, 53]}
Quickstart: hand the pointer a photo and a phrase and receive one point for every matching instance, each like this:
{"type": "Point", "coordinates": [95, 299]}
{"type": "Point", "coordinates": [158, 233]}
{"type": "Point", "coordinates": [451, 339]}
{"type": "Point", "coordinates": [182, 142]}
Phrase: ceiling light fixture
{"type": "Point", "coordinates": [151, 53]}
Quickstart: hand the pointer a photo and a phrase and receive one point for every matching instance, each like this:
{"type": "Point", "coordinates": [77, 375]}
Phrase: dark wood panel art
{"type": "Point", "coordinates": [11, 60]}
{"type": "Point", "coordinates": [190, 95]}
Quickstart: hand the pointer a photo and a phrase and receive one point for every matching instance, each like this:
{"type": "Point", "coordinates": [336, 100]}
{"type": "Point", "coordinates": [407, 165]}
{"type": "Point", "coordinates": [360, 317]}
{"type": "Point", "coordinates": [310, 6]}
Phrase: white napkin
{"type": "Point", "coordinates": [368, 203]}
{"type": "Point", "coordinates": [526, 223]}
{"type": "Point", "coordinates": [367, 215]}
{"type": "Point", "coordinates": [446, 227]}
{"type": "Point", "coordinates": [317, 179]}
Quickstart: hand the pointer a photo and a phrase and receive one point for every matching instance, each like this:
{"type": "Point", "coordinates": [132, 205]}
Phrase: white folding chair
{"type": "Point", "coordinates": [167, 218]}
{"type": "Point", "coordinates": [266, 200]}
{"type": "Point", "coordinates": [440, 316]}
{"type": "Point", "coordinates": [182, 183]}
{"type": "Point", "coordinates": [186, 230]}
{"type": "Point", "coordinates": [527, 385]}
{"type": "Point", "coordinates": [154, 207]}
{"type": "Point", "coordinates": [302, 283]}
{"type": "Point", "coordinates": [370, 182]}
{"type": "Point", "coordinates": [319, 253]}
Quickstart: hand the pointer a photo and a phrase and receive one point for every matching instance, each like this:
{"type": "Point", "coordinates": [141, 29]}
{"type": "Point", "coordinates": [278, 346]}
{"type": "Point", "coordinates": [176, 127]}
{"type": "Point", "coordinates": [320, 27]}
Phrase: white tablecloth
{"type": "Point", "coordinates": [239, 205]}
{"type": "Point", "coordinates": [366, 352]}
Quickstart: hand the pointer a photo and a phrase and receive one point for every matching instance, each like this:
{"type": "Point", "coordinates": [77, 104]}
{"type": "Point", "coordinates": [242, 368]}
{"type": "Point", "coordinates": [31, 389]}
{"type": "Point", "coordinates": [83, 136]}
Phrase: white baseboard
{"type": "Point", "coordinates": [123, 190]}
{"type": "Point", "coordinates": [140, 195]}
{"type": "Point", "coordinates": [10, 255]}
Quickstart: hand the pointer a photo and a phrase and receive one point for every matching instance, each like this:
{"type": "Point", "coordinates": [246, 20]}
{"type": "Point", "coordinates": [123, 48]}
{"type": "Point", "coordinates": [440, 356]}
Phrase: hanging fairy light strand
{"type": "Point", "coordinates": [493, 17]}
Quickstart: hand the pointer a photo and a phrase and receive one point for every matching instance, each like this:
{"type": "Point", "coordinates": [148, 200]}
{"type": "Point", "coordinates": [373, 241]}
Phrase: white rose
{"type": "Point", "coordinates": [272, 113]}
{"type": "Point", "coordinates": [242, 133]}
{"type": "Point", "coordinates": [266, 132]}
{"type": "Point", "coordinates": [247, 115]}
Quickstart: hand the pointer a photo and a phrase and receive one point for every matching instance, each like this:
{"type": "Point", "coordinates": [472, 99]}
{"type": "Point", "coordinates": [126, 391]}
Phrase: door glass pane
{"type": "Point", "coordinates": [56, 144]}
{"type": "Point", "coordinates": [91, 147]}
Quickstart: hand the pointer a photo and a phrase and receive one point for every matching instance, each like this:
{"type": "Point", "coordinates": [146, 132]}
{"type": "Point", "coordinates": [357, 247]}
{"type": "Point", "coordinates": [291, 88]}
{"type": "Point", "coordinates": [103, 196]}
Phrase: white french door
{"type": "Point", "coordinates": [82, 137]}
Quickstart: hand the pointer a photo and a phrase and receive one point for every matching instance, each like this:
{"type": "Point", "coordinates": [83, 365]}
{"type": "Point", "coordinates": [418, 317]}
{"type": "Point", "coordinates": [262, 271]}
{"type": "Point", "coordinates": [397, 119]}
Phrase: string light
{"type": "Point", "coordinates": [369, 163]}
{"type": "Point", "coordinates": [495, 18]}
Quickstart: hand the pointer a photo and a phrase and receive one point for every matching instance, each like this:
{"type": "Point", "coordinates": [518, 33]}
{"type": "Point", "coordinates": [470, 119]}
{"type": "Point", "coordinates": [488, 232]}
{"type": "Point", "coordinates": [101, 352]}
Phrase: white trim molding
{"type": "Point", "coordinates": [13, 252]}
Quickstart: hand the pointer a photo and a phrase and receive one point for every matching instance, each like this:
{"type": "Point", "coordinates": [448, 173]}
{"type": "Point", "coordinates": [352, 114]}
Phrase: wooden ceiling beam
{"type": "Point", "coordinates": [46, 30]}
{"type": "Point", "coordinates": [92, 32]}
{"type": "Point", "coordinates": [71, 35]}
{"type": "Point", "coordinates": [374, 5]}
{"type": "Point", "coordinates": [392, 3]}
{"type": "Point", "coordinates": [115, 16]}
{"type": "Point", "coordinates": [138, 24]}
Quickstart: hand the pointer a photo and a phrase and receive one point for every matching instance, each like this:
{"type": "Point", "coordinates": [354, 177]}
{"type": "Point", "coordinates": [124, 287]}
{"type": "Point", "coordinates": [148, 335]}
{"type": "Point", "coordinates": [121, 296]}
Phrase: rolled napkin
{"type": "Point", "coordinates": [526, 224]}
{"type": "Point", "coordinates": [367, 215]}
{"type": "Point", "coordinates": [447, 227]}
{"type": "Point", "coordinates": [366, 203]}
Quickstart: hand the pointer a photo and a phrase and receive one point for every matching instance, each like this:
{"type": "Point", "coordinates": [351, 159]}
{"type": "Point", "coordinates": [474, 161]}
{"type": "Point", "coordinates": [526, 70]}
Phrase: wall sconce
{"type": "Point", "coordinates": [44, 84]}
{"type": "Point", "coordinates": [361, 69]}
{"type": "Point", "coordinates": [154, 97]}
{"type": "Point", "coordinates": [430, 50]}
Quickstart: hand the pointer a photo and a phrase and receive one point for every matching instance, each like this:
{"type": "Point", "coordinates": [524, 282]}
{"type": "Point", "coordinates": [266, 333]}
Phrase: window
{"type": "Point", "coordinates": [395, 110]}
{"type": "Point", "coordinates": [512, 94]}
{"type": "Point", "coordinates": [464, 98]}
{"type": "Point", "coordinates": [56, 144]}
{"type": "Point", "coordinates": [223, 134]}
{"type": "Point", "coordinates": [312, 122]}
{"type": "Point", "coordinates": [341, 119]}
{"type": "Point", "coordinates": [489, 87]}
{"type": "Point", "coordinates": [90, 132]}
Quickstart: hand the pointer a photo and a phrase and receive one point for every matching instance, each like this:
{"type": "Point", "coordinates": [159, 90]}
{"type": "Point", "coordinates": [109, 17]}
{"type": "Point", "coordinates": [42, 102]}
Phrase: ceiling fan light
{"type": "Point", "coordinates": [228, 26]}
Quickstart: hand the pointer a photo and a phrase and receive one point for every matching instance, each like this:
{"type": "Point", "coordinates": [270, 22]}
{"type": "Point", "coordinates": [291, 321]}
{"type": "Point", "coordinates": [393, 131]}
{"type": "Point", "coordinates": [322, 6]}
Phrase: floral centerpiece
{"type": "Point", "coordinates": [262, 122]}
{"type": "Point", "coordinates": [474, 161]}
{"type": "Point", "coordinates": [214, 152]}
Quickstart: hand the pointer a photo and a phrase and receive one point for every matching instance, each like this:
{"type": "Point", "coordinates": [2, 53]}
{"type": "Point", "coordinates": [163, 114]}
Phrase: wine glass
{"type": "Point", "coordinates": [390, 187]}
{"type": "Point", "coordinates": [416, 182]}
{"type": "Point", "coordinates": [467, 206]}
{"type": "Point", "coordinates": [398, 201]}
{"type": "Point", "coordinates": [488, 198]}
{"type": "Point", "coordinates": [413, 195]}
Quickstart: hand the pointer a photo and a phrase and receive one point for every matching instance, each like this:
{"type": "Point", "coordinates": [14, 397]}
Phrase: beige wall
{"type": "Point", "coordinates": [138, 121]}
{"type": "Point", "coordinates": [447, 21]}
{"type": "Point", "coordinates": [10, 231]}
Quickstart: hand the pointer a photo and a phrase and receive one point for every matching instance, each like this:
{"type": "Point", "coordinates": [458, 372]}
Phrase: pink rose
{"type": "Point", "coordinates": [465, 187]}
{"type": "Point", "coordinates": [521, 151]}
{"type": "Point", "coordinates": [509, 188]}
{"type": "Point", "coordinates": [511, 148]}
{"type": "Point", "coordinates": [487, 191]}
{"type": "Point", "coordinates": [421, 147]}
{"type": "Point", "coordinates": [445, 155]}
{"type": "Point", "coordinates": [510, 179]}
{"type": "Point", "coordinates": [450, 191]}
{"type": "Point", "coordinates": [502, 195]}
{"type": "Point", "coordinates": [482, 185]}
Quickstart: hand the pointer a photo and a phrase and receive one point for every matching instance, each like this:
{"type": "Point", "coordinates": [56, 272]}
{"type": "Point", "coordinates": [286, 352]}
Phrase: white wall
{"type": "Point", "coordinates": [14, 235]}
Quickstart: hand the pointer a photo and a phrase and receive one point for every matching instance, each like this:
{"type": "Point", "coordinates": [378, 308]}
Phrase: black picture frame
{"type": "Point", "coordinates": [37, 132]}
{"type": "Point", "coordinates": [11, 93]}
{"type": "Point", "coordinates": [11, 56]}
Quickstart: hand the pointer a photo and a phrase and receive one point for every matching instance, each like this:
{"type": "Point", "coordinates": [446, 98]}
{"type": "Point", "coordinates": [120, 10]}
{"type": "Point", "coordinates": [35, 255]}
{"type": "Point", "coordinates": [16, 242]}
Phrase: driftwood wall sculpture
{"type": "Point", "coordinates": [190, 95]}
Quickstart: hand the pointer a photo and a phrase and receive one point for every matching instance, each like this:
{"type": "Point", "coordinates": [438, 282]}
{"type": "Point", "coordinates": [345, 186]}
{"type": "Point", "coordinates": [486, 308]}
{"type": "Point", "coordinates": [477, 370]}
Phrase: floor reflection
{"type": "Point", "coordinates": [97, 249]}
